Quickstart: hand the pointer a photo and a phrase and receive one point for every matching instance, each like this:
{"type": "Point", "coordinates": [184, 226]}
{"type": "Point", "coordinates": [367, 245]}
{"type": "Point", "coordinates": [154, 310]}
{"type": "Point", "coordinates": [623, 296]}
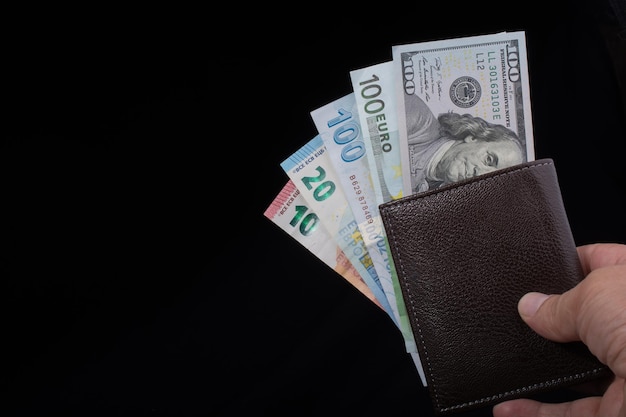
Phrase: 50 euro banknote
{"type": "Point", "coordinates": [290, 211]}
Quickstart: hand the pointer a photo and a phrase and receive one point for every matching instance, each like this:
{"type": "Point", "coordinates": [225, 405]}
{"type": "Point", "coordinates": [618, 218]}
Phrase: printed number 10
{"type": "Point", "coordinates": [309, 222]}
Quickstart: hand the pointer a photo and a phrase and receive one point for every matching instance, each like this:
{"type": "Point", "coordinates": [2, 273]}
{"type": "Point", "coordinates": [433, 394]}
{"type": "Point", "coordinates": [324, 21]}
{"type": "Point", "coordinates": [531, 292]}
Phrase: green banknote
{"type": "Point", "coordinates": [457, 94]}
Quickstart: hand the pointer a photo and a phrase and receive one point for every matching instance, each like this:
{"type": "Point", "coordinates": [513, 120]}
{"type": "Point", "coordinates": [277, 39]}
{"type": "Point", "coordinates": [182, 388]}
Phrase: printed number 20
{"type": "Point", "coordinates": [322, 191]}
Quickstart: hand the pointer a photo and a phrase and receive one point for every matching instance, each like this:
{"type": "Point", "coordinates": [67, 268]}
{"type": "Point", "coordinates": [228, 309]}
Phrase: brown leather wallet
{"type": "Point", "coordinates": [464, 255]}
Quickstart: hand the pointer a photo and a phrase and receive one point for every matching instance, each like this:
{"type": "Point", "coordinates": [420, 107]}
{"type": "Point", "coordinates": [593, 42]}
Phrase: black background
{"type": "Point", "coordinates": [139, 151]}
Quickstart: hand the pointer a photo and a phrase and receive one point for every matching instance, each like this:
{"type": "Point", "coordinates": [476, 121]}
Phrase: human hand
{"type": "Point", "coordinates": [593, 312]}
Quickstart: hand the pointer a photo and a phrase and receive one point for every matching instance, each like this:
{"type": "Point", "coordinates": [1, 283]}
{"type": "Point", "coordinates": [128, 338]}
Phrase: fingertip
{"type": "Point", "coordinates": [507, 408]}
{"type": "Point", "coordinates": [530, 303]}
{"type": "Point", "coordinates": [519, 408]}
{"type": "Point", "coordinates": [502, 410]}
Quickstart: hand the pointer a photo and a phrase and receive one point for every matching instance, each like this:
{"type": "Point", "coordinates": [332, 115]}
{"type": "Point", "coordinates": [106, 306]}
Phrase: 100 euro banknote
{"type": "Point", "coordinates": [339, 125]}
{"type": "Point", "coordinates": [374, 92]}
{"type": "Point", "coordinates": [375, 101]}
{"type": "Point", "coordinates": [290, 211]}
{"type": "Point", "coordinates": [454, 96]}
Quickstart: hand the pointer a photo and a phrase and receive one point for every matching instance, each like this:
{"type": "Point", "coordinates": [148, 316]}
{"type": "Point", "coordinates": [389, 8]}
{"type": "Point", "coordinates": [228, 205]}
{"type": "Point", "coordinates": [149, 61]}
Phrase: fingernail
{"type": "Point", "coordinates": [530, 303]}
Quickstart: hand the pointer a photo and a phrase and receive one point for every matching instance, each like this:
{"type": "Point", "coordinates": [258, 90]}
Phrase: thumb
{"type": "Point", "coordinates": [549, 316]}
{"type": "Point", "coordinates": [593, 312]}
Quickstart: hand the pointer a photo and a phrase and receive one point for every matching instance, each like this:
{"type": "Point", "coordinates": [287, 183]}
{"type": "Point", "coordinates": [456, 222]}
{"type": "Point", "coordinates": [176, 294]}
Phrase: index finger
{"type": "Point", "coordinates": [600, 255]}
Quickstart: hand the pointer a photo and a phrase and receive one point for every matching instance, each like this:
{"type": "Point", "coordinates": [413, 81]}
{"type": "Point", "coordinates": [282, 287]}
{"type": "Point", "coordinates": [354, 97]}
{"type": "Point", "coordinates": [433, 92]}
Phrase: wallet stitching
{"type": "Point", "coordinates": [523, 389]}
{"type": "Point", "coordinates": [427, 358]}
{"type": "Point", "coordinates": [419, 330]}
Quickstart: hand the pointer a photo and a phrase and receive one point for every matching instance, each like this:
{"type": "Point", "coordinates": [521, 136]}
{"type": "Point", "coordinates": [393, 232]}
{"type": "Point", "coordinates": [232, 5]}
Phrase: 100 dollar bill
{"type": "Point", "coordinates": [482, 80]}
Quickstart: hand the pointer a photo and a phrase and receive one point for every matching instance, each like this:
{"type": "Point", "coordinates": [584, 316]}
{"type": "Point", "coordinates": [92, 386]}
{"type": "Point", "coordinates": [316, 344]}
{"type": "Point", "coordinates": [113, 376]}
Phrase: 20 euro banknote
{"type": "Point", "coordinates": [311, 170]}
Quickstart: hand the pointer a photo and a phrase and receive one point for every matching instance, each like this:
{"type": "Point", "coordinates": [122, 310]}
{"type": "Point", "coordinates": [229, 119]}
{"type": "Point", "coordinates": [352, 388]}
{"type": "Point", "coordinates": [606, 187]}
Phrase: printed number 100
{"type": "Point", "coordinates": [347, 135]}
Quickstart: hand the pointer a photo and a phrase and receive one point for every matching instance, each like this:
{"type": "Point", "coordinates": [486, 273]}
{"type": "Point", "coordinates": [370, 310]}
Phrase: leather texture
{"type": "Point", "coordinates": [464, 255]}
